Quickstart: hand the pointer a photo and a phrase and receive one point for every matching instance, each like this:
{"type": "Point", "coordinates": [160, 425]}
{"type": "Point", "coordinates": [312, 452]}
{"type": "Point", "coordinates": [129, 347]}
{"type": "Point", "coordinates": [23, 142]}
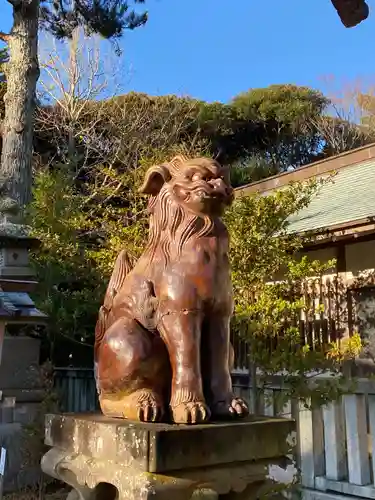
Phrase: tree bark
{"type": "Point", "coordinates": [22, 73]}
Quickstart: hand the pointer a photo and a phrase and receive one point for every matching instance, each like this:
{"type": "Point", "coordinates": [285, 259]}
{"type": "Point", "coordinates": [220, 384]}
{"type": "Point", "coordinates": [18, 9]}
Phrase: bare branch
{"type": "Point", "coordinates": [103, 140]}
{"type": "Point", "coordinates": [347, 124]}
{"type": "Point", "coordinates": [4, 37]}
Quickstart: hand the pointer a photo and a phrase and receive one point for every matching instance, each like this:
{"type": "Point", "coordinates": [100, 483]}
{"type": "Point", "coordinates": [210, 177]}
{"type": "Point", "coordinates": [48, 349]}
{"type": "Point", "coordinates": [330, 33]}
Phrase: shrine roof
{"type": "Point", "coordinates": [348, 198]}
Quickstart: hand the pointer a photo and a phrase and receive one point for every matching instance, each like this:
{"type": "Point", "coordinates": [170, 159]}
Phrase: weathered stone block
{"type": "Point", "coordinates": [162, 461]}
{"type": "Point", "coordinates": [19, 367]}
{"type": "Point", "coordinates": [18, 473]}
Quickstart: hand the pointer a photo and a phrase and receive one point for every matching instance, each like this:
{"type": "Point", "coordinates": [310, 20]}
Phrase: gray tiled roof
{"type": "Point", "coordinates": [19, 306]}
{"type": "Point", "coordinates": [350, 197]}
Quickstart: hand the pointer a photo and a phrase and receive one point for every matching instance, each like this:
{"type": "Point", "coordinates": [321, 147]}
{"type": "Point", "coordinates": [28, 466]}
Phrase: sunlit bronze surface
{"type": "Point", "coordinates": [162, 348]}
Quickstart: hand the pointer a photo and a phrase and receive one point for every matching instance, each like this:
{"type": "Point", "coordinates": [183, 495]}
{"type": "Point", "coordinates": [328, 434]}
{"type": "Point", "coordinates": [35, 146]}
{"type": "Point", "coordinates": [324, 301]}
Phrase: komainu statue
{"type": "Point", "coordinates": [162, 348]}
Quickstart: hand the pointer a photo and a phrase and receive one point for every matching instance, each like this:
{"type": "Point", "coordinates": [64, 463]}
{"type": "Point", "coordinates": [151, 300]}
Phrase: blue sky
{"type": "Point", "coordinates": [209, 50]}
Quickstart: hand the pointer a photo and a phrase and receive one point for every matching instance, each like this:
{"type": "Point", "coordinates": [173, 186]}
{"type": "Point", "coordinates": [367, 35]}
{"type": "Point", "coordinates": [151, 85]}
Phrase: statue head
{"type": "Point", "coordinates": [199, 185]}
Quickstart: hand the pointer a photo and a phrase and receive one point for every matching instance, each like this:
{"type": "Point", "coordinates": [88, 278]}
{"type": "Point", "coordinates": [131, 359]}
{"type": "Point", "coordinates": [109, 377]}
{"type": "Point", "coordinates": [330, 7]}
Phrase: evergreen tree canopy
{"type": "Point", "coordinates": [109, 18]}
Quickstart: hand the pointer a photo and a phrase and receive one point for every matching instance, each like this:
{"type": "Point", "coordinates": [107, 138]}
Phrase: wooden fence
{"type": "Point", "coordinates": [76, 389]}
{"type": "Point", "coordinates": [335, 450]}
{"type": "Point", "coordinates": [329, 314]}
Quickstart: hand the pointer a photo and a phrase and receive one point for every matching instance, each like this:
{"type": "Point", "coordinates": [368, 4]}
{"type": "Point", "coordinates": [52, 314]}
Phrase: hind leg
{"type": "Point", "coordinates": [133, 372]}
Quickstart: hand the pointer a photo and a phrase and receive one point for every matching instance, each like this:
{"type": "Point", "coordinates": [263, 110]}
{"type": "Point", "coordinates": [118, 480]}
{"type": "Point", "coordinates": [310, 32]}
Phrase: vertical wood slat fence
{"type": "Point", "coordinates": [335, 443]}
{"type": "Point", "coordinates": [331, 312]}
{"type": "Point", "coordinates": [76, 389]}
{"type": "Point", "coordinates": [328, 316]}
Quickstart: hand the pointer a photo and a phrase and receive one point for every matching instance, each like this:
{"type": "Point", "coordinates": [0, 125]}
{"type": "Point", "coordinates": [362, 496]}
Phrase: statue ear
{"type": "Point", "coordinates": [154, 179]}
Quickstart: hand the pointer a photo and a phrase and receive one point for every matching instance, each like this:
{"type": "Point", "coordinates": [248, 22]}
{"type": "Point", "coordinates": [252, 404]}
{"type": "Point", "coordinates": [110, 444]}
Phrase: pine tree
{"type": "Point", "coordinates": [109, 18]}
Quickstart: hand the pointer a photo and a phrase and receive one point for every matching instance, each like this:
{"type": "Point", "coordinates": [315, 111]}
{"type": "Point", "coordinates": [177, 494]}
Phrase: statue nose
{"type": "Point", "coordinates": [220, 186]}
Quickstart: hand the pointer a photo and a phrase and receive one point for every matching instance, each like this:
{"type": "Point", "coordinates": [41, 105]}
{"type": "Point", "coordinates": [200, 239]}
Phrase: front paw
{"type": "Point", "coordinates": [231, 407]}
{"type": "Point", "coordinates": [192, 412]}
{"type": "Point", "coordinates": [149, 407]}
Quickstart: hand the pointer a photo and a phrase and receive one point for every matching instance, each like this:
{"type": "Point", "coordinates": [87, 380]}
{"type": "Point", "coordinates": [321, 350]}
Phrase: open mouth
{"type": "Point", "coordinates": [212, 195]}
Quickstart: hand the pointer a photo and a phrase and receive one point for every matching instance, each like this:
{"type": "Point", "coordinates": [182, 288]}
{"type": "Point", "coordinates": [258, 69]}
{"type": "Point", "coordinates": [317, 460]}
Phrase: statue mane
{"type": "Point", "coordinates": [172, 226]}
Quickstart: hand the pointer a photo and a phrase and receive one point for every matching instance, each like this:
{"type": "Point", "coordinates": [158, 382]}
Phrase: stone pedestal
{"type": "Point", "coordinates": [110, 459]}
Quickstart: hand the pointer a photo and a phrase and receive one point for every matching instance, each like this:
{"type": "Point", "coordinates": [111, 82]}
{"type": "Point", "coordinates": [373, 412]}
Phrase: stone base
{"type": "Point", "coordinates": [110, 459]}
{"type": "Point", "coordinates": [19, 472]}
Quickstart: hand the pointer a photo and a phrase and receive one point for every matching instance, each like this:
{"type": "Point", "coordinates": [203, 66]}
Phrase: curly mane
{"type": "Point", "coordinates": [173, 226]}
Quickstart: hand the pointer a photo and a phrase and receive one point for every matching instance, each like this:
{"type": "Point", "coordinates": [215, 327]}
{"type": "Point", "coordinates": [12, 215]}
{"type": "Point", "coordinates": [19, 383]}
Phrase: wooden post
{"type": "Point", "coordinates": [356, 438]}
{"type": "Point", "coordinates": [311, 444]}
{"type": "Point", "coordinates": [371, 412]}
{"type": "Point", "coordinates": [269, 403]}
{"type": "Point", "coordinates": [334, 441]}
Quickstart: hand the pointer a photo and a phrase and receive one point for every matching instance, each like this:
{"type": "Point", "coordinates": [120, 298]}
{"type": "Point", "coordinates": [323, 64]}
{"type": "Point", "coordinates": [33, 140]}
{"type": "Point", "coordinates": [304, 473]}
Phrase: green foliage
{"type": "Point", "coordinates": [251, 170]}
{"type": "Point", "coordinates": [268, 277]}
{"type": "Point", "coordinates": [272, 124]}
{"type": "Point", "coordinates": [284, 114]}
{"type": "Point", "coordinates": [82, 226]}
{"type": "Point", "coordinates": [118, 131]}
{"type": "Point", "coordinates": [109, 18]}
{"type": "Point", "coordinates": [67, 276]}
{"type": "Point", "coordinates": [287, 104]}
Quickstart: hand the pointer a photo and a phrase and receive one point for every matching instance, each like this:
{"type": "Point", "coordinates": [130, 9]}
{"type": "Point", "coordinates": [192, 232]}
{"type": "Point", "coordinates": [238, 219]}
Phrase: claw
{"type": "Point", "coordinates": [190, 413]}
{"type": "Point", "coordinates": [194, 414]}
{"type": "Point", "coordinates": [231, 407]}
{"type": "Point", "coordinates": [238, 409]}
{"type": "Point", "coordinates": [146, 412]}
{"type": "Point", "coordinates": [140, 414]}
{"type": "Point", "coordinates": [203, 413]}
{"type": "Point", "coordinates": [149, 408]}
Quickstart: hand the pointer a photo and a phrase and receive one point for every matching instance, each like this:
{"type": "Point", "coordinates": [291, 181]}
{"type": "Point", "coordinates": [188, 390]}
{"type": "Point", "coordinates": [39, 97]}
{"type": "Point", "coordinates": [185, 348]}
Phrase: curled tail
{"type": "Point", "coordinates": [123, 266]}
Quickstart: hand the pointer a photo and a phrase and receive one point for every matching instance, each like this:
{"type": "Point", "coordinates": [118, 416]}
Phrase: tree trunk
{"type": "Point", "coordinates": [22, 73]}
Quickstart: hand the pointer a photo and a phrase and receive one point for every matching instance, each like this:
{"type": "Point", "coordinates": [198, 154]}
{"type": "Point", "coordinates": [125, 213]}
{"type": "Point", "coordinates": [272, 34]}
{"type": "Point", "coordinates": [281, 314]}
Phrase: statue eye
{"type": "Point", "coordinates": [196, 177]}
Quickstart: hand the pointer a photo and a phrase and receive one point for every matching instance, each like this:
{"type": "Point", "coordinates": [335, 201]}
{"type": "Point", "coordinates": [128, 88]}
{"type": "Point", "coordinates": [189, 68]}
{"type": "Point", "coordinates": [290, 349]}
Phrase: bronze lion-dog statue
{"type": "Point", "coordinates": [162, 337]}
